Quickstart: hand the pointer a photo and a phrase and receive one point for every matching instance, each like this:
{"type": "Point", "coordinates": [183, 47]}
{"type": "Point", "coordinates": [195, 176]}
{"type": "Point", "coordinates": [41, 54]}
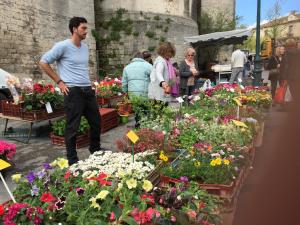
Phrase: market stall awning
{"type": "Point", "coordinates": [219, 38]}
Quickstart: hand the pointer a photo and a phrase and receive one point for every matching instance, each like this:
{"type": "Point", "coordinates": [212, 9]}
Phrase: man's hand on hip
{"type": "Point", "coordinates": [63, 87]}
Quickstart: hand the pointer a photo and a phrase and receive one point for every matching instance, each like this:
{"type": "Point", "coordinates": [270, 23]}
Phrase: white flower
{"type": "Point", "coordinates": [179, 197]}
{"type": "Point", "coordinates": [222, 152]}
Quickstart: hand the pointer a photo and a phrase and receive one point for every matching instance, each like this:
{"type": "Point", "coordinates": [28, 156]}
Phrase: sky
{"type": "Point", "coordinates": [247, 9]}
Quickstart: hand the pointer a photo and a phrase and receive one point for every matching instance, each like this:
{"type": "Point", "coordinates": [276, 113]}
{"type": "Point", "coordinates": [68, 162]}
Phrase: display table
{"type": "Point", "coordinates": [31, 122]}
{"type": "Point", "coordinates": [223, 71]}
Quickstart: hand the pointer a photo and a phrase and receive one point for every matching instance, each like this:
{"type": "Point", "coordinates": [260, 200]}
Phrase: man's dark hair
{"type": "Point", "coordinates": [138, 55]}
{"type": "Point", "coordinates": [75, 22]}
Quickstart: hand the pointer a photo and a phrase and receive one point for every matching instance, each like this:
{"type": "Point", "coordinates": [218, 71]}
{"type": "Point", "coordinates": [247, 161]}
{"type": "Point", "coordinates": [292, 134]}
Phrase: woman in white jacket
{"type": "Point", "coordinates": [159, 87]}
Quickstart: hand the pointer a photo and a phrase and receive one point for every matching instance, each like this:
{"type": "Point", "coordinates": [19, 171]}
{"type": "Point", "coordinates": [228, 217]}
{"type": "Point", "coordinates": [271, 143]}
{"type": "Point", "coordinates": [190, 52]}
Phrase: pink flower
{"type": "Point", "coordinates": [191, 214]}
{"type": "Point", "coordinates": [173, 219]}
{"type": "Point", "coordinates": [112, 216]}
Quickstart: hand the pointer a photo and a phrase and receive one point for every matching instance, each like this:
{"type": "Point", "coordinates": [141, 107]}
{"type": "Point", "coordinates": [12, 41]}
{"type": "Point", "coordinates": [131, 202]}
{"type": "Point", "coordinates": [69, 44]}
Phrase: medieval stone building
{"type": "Point", "coordinates": [121, 27]}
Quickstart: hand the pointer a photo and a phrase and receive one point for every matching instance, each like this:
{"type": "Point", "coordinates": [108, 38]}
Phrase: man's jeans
{"type": "Point", "coordinates": [236, 73]}
{"type": "Point", "coordinates": [81, 101]}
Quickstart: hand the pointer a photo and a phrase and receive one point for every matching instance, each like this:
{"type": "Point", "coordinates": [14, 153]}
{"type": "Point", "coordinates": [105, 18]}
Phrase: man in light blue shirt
{"type": "Point", "coordinates": [71, 57]}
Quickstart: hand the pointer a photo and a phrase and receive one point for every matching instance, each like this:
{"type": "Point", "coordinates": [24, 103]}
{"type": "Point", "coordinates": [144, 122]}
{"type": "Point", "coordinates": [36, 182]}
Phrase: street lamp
{"type": "Point", "coordinates": [257, 61]}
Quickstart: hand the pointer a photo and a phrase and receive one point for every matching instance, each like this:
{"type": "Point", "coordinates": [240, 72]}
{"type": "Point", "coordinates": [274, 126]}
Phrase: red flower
{"type": "Point", "coordinates": [101, 179]}
{"type": "Point", "coordinates": [67, 175]}
{"type": "Point", "coordinates": [47, 197]}
{"type": "Point", "coordinates": [149, 199]}
{"type": "Point", "coordinates": [201, 205]}
{"type": "Point", "coordinates": [2, 210]}
{"type": "Point", "coordinates": [37, 87]}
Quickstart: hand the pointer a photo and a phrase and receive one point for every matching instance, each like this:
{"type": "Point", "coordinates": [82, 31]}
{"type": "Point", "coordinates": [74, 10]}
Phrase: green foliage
{"type": "Point", "coordinates": [168, 20]}
{"type": "Point", "coordinates": [151, 48]}
{"type": "Point", "coordinates": [59, 126]}
{"type": "Point", "coordinates": [166, 29]}
{"type": "Point", "coordinates": [157, 18]}
{"type": "Point", "coordinates": [136, 33]}
{"type": "Point", "coordinates": [150, 34]}
{"type": "Point", "coordinates": [162, 39]}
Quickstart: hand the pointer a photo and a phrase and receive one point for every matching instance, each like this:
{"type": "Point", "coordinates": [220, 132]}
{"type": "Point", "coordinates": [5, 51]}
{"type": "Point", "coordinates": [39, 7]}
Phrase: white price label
{"type": "Point", "coordinates": [49, 108]}
{"type": "Point", "coordinates": [180, 99]}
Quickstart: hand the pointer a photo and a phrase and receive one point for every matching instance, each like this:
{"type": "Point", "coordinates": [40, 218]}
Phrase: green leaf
{"type": "Point", "coordinates": [130, 221]}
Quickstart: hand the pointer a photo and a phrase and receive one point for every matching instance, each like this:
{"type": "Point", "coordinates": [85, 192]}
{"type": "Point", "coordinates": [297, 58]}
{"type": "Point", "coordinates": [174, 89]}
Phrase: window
{"type": "Point", "coordinates": [290, 31]}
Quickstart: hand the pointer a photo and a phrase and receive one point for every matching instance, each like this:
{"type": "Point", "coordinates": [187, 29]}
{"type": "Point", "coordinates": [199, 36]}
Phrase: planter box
{"type": "Point", "coordinates": [107, 100]}
{"type": "Point", "coordinates": [81, 140]}
{"type": "Point", "coordinates": [42, 114]}
{"type": "Point", "coordinates": [228, 193]}
{"type": "Point", "coordinates": [10, 109]}
{"type": "Point", "coordinates": [109, 119]}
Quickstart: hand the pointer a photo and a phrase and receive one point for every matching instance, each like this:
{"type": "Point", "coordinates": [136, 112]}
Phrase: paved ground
{"type": "Point", "coordinates": [40, 150]}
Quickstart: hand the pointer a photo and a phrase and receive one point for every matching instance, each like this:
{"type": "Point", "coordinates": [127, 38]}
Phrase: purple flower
{"type": "Point", "coordinates": [30, 177]}
{"type": "Point", "coordinates": [79, 191]}
{"type": "Point", "coordinates": [41, 174]}
{"type": "Point", "coordinates": [34, 191]}
{"type": "Point", "coordinates": [184, 179]}
{"type": "Point", "coordinates": [47, 166]}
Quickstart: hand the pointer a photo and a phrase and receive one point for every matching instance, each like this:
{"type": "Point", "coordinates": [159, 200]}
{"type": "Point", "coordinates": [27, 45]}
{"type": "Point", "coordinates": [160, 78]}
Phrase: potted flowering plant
{"type": "Point", "coordinates": [107, 89]}
{"type": "Point", "coordinates": [7, 150]}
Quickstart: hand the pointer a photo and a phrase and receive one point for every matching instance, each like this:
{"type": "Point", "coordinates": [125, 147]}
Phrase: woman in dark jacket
{"type": "Point", "coordinates": [188, 71]}
{"type": "Point", "coordinates": [274, 68]}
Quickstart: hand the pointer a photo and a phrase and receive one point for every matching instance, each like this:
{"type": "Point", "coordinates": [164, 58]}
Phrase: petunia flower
{"type": "Point", "coordinates": [34, 191]}
{"type": "Point", "coordinates": [147, 185]}
{"type": "Point", "coordinates": [31, 177]}
{"type": "Point", "coordinates": [102, 194]}
{"type": "Point", "coordinates": [94, 204]}
{"type": "Point", "coordinates": [16, 177]}
{"type": "Point", "coordinates": [131, 183]}
{"type": "Point", "coordinates": [63, 163]}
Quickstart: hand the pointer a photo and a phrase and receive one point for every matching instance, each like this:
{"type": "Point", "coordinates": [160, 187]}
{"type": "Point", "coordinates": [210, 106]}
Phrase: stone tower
{"type": "Point", "coordinates": [150, 23]}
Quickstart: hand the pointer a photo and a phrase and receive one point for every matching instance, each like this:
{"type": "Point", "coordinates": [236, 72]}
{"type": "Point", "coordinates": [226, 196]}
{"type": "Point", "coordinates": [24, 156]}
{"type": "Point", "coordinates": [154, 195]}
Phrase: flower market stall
{"type": "Point", "coordinates": [190, 163]}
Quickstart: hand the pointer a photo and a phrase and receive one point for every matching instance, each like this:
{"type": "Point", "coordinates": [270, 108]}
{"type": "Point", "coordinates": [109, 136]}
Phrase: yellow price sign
{"type": "Point", "coordinates": [239, 123]}
{"type": "Point", "coordinates": [4, 164]}
{"type": "Point", "coordinates": [238, 102]}
{"type": "Point", "coordinates": [132, 136]}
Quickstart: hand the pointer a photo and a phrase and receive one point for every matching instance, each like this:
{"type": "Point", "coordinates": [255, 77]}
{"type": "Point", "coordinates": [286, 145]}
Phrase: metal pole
{"type": "Point", "coordinates": [257, 61]}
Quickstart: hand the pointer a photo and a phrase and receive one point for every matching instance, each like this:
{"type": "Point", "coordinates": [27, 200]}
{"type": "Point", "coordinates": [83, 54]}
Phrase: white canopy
{"type": "Point", "coordinates": [219, 38]}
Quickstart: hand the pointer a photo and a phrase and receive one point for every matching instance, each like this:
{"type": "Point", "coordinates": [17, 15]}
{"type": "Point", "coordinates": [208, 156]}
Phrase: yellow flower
{"type": "Point", "coordinates": [102, 194]}
{"type": "Point", "coordinates": [212, 162]}
{"type": "Point", "coordinates": [147, 186]}
{"type": "Point", "coordinates": [94, 204]}
{"type": "Point", "coordinates": [54, 163]}
{"type": "Point", "coordinates": [165, 159]}
{"type": "Point", "coordinates": [197, 164]}
{"type": "Point", "coordinates": [121, 173]}
{"type": "Point", "coordinates": [131, 183]}
{"type": "Point", "coordinates": [226, 162]}
{"type": "Point", "coordinates": [120, 185]}
{"type": "Point", "coordinates": [62, 163]}
{"type": "Point", "coordinates": [16, 177]}
{"type": "Point", "coordinates": [218, 161]}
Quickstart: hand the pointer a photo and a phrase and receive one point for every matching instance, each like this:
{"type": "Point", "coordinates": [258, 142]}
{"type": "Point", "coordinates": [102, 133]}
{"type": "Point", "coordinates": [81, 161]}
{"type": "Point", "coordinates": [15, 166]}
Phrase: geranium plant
{"type": "Point", "coordinates": [109, 87]}
{"type": "Point", "coordinates": [41, 94]}
{"type": "Point", "coordinates": [7, 150]}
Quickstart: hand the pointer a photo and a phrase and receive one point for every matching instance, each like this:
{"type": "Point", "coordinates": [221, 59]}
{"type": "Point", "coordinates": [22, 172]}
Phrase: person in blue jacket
{"type": "Point", "coordinates": [136, 76]}
{"type": "Point", "coordinates": [136, 79]}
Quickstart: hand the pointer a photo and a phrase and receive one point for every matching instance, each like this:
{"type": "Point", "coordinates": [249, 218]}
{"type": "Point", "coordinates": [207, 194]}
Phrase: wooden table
{"type": "Point", "coordinates": [31, 122]}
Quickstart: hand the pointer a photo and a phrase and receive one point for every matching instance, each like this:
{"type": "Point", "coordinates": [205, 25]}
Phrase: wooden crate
{"type": "Point", "coordinates": [81, 140]}
{"type": "Point", "coordinates": [109, 119]}
{"type": "Point", "coordinates": [33, 115]}
{"type": "Point", "coordinates": [10, 109]}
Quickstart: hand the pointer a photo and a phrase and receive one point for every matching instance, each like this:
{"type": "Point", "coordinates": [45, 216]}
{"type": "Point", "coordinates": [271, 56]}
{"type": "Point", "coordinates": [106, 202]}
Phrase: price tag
{"type": "Point", "coordinates": [4, 164]}
{"type": "Point", "coordinates": [132, 136]}
{"type": "Point", "coordinates": [239, 123]}
{"type": "Point", "coordinates": [96, 83]}
{"type": "Point", "coordinates": [238, 102]}
{"type": "Point", "coordinates": [242, 87]}
{"type": "Point", "coordinates": [240, 80]}
{"type": "Point", "coordinates": [49, 108]}
{"type": "Point", "coordinates": [180, 99]}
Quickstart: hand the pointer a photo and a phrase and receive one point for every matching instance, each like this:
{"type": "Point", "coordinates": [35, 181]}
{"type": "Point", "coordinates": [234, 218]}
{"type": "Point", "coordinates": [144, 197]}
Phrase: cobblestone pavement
{"type": "Point", "coordinates": [40, 150]}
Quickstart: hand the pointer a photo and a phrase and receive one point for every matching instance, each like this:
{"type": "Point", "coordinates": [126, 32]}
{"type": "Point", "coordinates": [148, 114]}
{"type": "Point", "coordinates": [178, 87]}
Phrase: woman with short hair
{"type": "Point", "coordinates": [188, 71]}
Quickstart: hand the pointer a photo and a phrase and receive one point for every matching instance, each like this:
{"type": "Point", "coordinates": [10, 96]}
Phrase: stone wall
{"type": "Point", "coordinates": [163, 26]}
{"type": "Point", "coordinates": [30, 27]}
{"type": "Point", "coordinates": [217, 5]}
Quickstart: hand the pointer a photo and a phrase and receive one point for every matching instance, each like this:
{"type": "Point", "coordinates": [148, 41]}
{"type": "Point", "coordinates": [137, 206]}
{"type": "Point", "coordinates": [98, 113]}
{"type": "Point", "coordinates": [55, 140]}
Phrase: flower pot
{"type": "Point", "coordinates": [124, 118]}
{"type": "Point", "coordinates": [81, 140]}
{"type": "Point", "coordinates": [124, 108]}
